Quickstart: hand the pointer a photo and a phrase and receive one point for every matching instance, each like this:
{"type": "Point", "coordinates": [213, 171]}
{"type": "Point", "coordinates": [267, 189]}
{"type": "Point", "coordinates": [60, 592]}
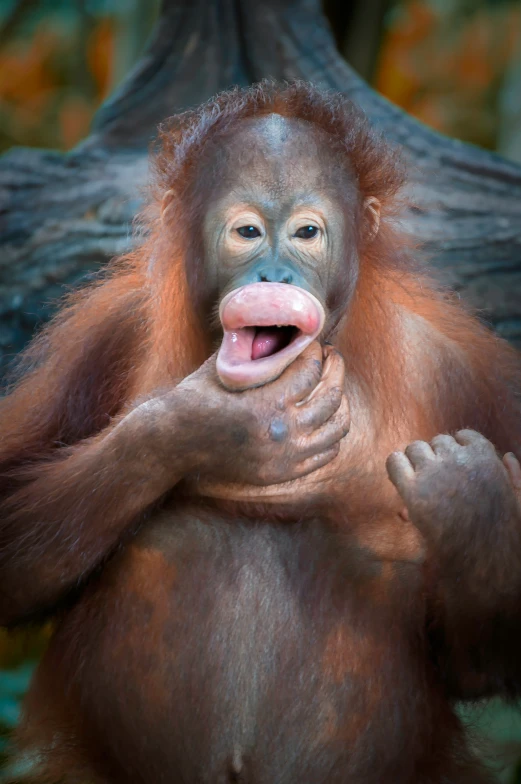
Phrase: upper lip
{"type": "Point", "coordinates": [295, 312]}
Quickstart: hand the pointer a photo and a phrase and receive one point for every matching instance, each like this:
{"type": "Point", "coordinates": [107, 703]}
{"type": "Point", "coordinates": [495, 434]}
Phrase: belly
{"type": "Point", "coordinates": [212, 648]}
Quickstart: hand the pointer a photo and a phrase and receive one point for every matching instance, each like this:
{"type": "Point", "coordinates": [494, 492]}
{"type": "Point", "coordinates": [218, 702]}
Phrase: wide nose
{"type": "Point", "coordinates": [274, 275]}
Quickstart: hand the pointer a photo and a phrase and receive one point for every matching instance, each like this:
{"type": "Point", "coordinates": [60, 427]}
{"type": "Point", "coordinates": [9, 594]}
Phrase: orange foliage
{"type": "Point", "coordinates": [100, 54]}
{"type": "Point", "coordinates": [396, 78]}
{"type": "Point", "coordinates": [40, 102]}
{"type": "Point", "coordinates": [74, 118]}
{"type": "Point", "coordinates": [26, 73]}
{"type": "Point", "coordinates": [445, 70]}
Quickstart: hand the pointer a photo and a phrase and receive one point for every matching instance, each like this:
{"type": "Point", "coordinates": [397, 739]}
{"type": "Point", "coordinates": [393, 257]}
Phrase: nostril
{"type": "Point", "coordinates": [276, 275]}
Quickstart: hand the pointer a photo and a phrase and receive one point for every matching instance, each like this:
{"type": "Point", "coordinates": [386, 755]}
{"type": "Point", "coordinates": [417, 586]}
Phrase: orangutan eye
{"type": "Point", "coordinates": [249, 232]}
{"type": "Point", "coordinates": [306, 232]}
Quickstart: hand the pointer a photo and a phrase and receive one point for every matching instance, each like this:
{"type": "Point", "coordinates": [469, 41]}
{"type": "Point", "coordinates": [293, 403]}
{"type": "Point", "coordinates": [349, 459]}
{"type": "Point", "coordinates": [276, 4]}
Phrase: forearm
{"type": "Point", "coordinates": [477, 610]}
{"type": "Point", "coordinates": [65, 515]}
{"type": "Point", "coordinates": [466, 502]}
{"type": "Point", "coordinates": [477, 559]}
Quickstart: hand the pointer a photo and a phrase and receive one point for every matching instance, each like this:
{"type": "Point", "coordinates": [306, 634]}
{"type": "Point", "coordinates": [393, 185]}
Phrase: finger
{"type": "Point", "coordinates": [330, 433]}
{"type": "Point", "coordinates": [302, 376]}
{"type": "Point", "coordinates": [316, 461]}
{"type": "Point", "coordinates": [400, 472]}
{"type": "Point", "coordinates": [472, 438]}
{"type": "Point", "coordinates": [419, 453]}
{"type": "Point", "coordinates": [333, 374]}
{"type": "Point", "coordinates": [327, 396]}
{"type": "Point", "coordinates": [321, 408]}
{"type": "Point", "coordinates": [443, 444]}
{"type": "Point", "coordinates": [333, 359]}
{"type": "Point", "coordinates": [511, 464]}
{"type": "Point", "coordinates": [334, 367]}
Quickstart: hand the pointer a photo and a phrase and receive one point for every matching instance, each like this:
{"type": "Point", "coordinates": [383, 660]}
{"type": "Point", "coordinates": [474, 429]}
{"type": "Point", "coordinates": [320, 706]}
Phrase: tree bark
{"type": "Point", "coordinates": [61, 216]}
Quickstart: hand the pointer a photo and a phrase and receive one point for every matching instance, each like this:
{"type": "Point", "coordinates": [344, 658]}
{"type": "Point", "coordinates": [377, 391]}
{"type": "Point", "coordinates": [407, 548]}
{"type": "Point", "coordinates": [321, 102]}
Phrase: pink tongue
{"type": "Point", "coordinates": [268, 341]}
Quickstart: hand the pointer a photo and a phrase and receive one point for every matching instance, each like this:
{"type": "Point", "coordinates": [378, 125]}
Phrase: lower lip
{"type": "Point", "coordinates": [235, 367]}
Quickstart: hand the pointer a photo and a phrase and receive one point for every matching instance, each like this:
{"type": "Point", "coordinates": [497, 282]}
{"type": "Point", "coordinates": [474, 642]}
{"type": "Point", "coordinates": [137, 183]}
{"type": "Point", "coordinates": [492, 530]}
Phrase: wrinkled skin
{"type": "Point", "coordinates": [466, 502]}
{"type": "Point", "coordinates": [454, 484]}
{"type": "Point", "coordinates": [279, 177]}
{"type": "Point", "coordinates": [459, 493]}
{"type": "Point", "coordinates": [239, 595]}
{"type": "Point", "coordinates": [276, 433]}
{"type": "Point", "coordinates": [276, 177]}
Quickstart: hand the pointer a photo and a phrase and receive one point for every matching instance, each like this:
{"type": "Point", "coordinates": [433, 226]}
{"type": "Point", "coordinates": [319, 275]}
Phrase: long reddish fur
{"type": "Point", "coordinates": [136, 330]}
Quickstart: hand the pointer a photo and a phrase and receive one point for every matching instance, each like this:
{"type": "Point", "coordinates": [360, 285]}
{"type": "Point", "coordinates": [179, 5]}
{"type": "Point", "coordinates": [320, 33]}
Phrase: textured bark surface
{"type": "Point", "coordinates": [63, 215]}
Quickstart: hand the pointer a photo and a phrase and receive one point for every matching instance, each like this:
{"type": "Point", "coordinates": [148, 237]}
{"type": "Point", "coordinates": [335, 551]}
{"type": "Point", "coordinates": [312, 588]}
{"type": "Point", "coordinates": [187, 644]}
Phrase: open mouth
{"type": "Point", "coordinates": [270, 340]}
{"type": "Point", "coordinates": [266, 326]}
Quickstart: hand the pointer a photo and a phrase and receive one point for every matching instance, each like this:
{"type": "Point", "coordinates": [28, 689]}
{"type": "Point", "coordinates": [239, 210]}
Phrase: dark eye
{"type": "Point", "coordinates": [306, 232]}
{"type": "Point", "coordinates": [249, 232]}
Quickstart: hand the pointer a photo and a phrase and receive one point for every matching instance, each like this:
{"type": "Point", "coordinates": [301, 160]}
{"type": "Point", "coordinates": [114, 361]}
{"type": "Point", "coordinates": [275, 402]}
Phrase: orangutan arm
{"type": "Point", "coordinates": [465, 500]}
{"type": "Point", "coordinates": [62, 516]}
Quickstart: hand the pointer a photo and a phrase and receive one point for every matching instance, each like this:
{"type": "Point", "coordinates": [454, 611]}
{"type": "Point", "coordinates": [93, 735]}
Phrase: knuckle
{"type": "Point", "coordinates": [278, 430]}
{"type": "Point", "coordinates": [280, 404]}
{"type": "Point", "coordinates": [473, 438]}
{"type": "Point", "coordinates": [442, 438]}
{"type": "Point", "coordinates": [467, 432]}
{"type": "Point", "coordinates": [414, 446]}
{"type": "Point", "coordinates": [395, 460]}
{"type": "Point", "coordinates": [301, 446]}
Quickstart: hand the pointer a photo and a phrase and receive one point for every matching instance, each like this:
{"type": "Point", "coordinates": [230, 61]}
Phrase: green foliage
{"type": "Point", "coordinates": [13, 685]}
{"type": "Point", "coordinates": [494, 727]}
{"type": "Point", "coordinates": [495, 731]}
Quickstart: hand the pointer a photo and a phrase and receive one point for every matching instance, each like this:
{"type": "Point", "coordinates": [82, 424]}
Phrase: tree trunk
{"type": "Point", "coordinates": [63, 215]}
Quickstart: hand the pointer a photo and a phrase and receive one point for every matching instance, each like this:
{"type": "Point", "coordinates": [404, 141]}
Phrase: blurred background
{"type": "Point", "coordinates": [453, 64]}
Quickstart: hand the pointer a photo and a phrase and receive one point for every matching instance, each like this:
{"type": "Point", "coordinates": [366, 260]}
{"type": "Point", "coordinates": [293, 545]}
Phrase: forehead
{"type": "Point", "coordinates": [274, 157]}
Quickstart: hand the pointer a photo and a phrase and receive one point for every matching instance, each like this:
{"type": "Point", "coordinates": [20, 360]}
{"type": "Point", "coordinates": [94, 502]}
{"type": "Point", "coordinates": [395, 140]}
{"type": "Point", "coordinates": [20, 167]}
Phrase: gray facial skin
{"type": "Point", "coordinates": [280, 178]}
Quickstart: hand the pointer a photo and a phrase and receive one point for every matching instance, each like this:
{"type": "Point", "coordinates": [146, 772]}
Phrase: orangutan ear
{"type": "Point", "coordinates": [168, 199]}
{"type": "Point", "coordinates": [372, 216]}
